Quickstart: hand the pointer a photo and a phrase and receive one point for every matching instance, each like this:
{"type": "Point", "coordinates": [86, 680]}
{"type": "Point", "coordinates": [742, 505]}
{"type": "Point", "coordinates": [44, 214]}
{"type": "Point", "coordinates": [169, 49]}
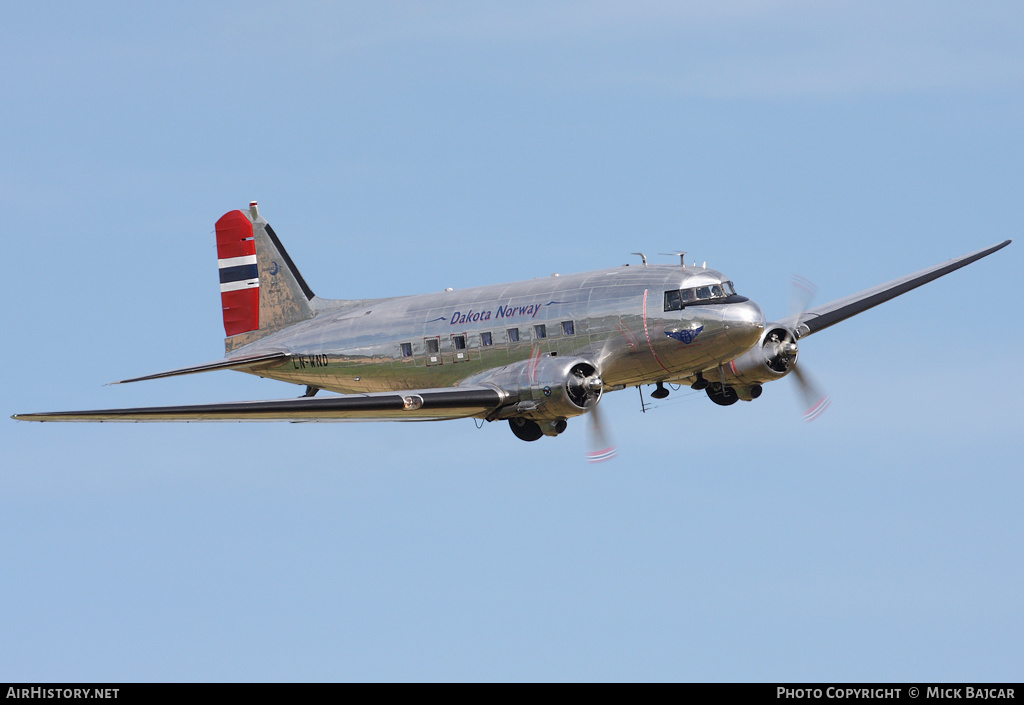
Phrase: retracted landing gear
{"type": "Point", "coordinates": [525, 429]}
{"type": "Point", "coordinates": [530, 430]}
{"type": "Point", "coordinates": [721, 394]}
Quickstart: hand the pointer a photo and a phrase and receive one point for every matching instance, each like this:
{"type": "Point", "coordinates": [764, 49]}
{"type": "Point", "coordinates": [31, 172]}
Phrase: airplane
{"type": "Point", "coordinates": [533, 353]}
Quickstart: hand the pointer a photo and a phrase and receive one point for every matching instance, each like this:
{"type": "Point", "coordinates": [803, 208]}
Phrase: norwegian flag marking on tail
{"type": "Point", "coordinates": [239, 276]}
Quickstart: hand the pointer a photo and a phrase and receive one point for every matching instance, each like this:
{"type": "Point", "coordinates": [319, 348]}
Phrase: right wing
{"type": "Point", "coordinates": [821, 317]}
{"type": "Point", "coordinates": [411, 405]}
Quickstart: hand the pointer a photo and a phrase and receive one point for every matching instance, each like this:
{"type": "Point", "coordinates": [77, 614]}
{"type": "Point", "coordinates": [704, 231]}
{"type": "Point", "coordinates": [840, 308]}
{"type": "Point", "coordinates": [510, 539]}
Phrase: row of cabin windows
{"type": "Point", "coordinates": [675, 300]}
{"type": "Point", "coordinates": [486, 340]}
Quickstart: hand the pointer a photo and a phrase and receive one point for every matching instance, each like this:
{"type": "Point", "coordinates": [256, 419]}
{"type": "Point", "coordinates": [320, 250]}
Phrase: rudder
{"type": "Point", "coordinates": [239, 276]}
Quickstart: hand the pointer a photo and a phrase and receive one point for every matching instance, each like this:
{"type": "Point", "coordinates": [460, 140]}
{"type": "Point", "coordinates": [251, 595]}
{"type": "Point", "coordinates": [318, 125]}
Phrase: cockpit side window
{"type": "Point", "coordinates": [673, 301]}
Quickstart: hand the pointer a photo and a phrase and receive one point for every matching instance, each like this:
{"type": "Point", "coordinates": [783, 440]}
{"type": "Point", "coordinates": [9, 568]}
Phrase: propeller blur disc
{"type": "Point", "coordinates": [601, 448]}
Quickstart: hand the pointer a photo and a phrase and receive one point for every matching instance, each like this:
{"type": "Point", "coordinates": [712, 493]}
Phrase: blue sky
{"type": "Point", "coordinates": [401, 148]}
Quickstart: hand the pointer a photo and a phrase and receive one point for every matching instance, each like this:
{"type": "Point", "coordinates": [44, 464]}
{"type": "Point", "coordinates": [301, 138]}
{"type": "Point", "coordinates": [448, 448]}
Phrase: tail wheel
{"type": "Point", "coordinates": [525, 429]}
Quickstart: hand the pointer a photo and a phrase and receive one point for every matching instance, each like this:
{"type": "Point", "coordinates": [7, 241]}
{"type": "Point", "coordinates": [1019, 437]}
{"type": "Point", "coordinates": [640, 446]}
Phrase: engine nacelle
{"type": "Point", "coordinates": [547, 387]}
{"type": "Point", "coordinates": [771, 359]}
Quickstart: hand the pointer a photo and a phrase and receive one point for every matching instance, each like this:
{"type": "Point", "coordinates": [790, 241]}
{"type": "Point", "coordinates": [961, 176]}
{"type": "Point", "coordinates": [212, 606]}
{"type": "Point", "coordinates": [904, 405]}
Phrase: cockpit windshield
{"type": "Point", "coordinates": [675, 300]}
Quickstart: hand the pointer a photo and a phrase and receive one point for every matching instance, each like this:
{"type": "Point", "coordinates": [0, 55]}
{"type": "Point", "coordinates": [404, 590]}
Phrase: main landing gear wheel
{"type": "Point", "coordinates": [525, 429]}
{"type": "Point", "coordinates": [722, 395]}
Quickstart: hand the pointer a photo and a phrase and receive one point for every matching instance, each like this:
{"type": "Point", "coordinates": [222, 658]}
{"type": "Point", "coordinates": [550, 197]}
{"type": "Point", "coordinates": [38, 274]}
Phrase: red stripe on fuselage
{"type": "Point", "coordinates": [647, 334]}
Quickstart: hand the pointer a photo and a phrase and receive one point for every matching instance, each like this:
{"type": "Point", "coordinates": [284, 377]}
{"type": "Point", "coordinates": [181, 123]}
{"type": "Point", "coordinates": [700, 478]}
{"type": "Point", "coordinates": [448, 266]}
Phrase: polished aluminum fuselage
{"type": "Point", "coordinates": [614, 318]}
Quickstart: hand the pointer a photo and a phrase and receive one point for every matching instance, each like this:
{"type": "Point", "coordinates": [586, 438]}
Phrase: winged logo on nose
{"type": "Point", "coordinates": [685, 336]}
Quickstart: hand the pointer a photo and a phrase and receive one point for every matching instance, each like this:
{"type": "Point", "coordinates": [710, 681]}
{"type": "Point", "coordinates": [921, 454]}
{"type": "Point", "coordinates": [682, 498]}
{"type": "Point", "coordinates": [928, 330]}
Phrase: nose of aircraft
{"type": "Point", "coordinates": [745, 321]}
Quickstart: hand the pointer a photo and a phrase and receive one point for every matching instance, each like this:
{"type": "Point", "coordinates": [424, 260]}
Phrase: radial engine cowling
{"type": "Point", "coordinates": [548, 387]}
{"type": "Point", "coordinates": [771, 359]}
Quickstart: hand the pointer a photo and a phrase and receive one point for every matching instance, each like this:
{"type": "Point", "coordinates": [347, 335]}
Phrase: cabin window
{"type": "Point", "coordinates": [485, 339]}
{"type": "Point", "coordinates": [432, 346]}
{"type": "Point", "coordinates": [513, 335]}
{"type": "Point", "coordinates": [568, 328]}
{"type": "Point", "coordinates": [673, 301]}
{"type": "Point", "coordinates": [541, 330]}
{"type": "Point", "coordinates": [459, 353]}
{"type": "Point", "coordinates": [406, 349]}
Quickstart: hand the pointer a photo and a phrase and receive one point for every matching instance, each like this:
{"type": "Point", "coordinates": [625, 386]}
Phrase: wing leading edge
{"type": "Point", "coordinates": [821, 317]}
{"type": "Point", "coordinates": [412, 405]}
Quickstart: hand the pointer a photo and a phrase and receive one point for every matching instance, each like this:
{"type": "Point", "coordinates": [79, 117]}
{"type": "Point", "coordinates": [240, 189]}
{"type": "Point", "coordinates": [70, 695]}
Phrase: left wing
{"type": "Point", "coordinates": [412, 405]}
{"type": "Point", "coordinates": [821, 317]}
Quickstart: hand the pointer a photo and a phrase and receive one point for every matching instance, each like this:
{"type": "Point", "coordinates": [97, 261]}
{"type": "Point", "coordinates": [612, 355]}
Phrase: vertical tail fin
{"type": "Point", "coordinates": [261, 289]}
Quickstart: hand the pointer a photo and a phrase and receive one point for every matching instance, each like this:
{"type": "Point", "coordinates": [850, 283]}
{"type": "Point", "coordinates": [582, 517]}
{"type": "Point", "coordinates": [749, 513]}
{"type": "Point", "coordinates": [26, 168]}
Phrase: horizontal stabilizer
{"type": "Point", "coordinates": [237, 363]}
{"type": "Point", "coordinates": [412, 405]}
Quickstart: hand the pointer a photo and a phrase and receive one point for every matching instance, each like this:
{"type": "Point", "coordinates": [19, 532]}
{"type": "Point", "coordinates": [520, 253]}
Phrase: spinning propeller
{"type": "Point", "coordinates": [586, 391]}
{"type": "Point", "coordinates": [786, 350]}
{"type": "Point", "coordinates": [601, 447]}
